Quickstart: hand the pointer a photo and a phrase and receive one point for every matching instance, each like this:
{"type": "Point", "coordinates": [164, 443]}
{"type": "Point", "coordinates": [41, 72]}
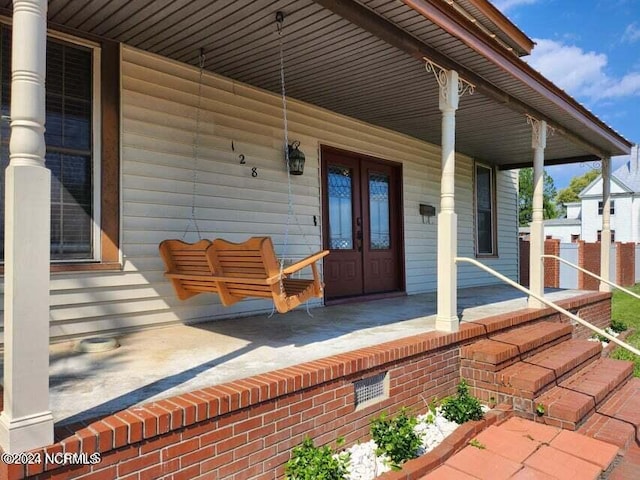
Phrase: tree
{"type": "Point", "coordinates": [525, 197]}
{"type": "Point", "coordinates": [576, 185]}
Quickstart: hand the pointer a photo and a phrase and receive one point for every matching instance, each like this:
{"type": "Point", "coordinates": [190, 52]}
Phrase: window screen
{"type": "Point", "coordinates": [484, 211]}
{"type": "Point", "coordinates": [68, 138]}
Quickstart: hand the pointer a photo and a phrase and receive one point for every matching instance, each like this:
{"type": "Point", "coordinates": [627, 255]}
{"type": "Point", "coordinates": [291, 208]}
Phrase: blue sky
{"type": "Point", "coordinates": [591, 49]}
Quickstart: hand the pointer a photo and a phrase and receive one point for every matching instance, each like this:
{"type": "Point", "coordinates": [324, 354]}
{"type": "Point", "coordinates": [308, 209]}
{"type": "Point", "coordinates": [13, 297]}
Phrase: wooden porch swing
{"type": "Point", "coordinates": [239, 270]}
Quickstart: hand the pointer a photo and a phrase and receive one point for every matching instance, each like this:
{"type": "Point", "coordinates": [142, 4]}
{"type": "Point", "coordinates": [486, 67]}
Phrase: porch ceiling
{"type": "Point", "coordinates": [336, 64]}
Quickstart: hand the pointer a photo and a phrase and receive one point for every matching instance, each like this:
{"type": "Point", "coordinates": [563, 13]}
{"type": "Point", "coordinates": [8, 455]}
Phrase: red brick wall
{"type": "Point", "coordinates": [245, 430]}
{"type": "Point", "coordinates": [625, 264]}
{"type": "Point", "coordinates": [589, 259]}
{"type": "Point", "coordinates": [596, 313]}
{"type": "Point", "coordinates": [552, 266]}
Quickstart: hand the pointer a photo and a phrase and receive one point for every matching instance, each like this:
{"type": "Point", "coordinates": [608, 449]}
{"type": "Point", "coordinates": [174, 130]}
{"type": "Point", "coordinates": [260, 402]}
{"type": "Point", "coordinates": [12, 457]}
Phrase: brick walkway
{"type": "Point", "coordinates": [520, 449]}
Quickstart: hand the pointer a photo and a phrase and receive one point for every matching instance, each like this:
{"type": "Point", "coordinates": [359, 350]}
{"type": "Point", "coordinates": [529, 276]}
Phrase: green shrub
{"type": "Point", "coordinates": [396, 437]}
{"type": "Point", "coordinates": [600, 338]}
{"type": "Point", "coordinates": [309, 462]}
{"type": "Point", "coordinates": [462, 407]}
{"type": "Point", "coordinates": [618, 325]}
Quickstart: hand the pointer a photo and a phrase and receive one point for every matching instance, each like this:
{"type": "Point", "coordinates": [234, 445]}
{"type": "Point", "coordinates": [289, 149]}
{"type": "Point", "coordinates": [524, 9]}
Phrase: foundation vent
{"type": "Point", "coordinates": [371, 390]}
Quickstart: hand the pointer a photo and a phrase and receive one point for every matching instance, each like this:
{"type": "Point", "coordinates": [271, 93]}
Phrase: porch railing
{"type": "Point", "coordinates": [597, 277]}
{"type": "Point", "coordinates": [549, 303]}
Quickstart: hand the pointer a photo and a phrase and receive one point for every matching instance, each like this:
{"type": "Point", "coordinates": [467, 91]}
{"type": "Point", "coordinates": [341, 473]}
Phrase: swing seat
{"type": "Point", "coordinates": [240, 270]}
{"type": "Point", "coordinates": [184, 262]}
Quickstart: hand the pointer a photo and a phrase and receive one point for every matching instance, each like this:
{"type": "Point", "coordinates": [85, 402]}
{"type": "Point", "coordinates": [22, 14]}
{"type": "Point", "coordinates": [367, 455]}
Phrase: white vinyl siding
{"type": "Point", "coordinates": [159, 99]}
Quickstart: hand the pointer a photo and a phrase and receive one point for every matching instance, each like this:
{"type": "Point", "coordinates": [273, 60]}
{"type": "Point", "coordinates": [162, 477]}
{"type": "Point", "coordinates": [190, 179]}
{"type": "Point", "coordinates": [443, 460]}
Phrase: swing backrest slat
{"type": "Point", "coordinates": [187, 258]}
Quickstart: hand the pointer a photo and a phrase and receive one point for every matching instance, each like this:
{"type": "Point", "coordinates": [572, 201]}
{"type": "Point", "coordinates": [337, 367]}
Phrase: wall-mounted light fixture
{"type": "Point", "coordinates": [296, 159]}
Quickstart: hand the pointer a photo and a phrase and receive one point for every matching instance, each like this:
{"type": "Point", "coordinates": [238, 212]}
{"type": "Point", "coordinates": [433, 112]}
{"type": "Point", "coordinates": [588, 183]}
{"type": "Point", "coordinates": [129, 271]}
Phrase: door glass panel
{"type": "Point", "coordinates": [340, 208]}
{"type": "Point", "coordinates": [379, 211]}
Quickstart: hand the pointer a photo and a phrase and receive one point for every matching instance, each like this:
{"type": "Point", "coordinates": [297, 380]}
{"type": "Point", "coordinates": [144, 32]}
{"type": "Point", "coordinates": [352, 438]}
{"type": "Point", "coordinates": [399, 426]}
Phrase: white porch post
{"type": "Point", "coordinates": [26, 421]}
{"type": "Point", "coordinates": [451, 89]}
{"type": "Point", "coordinates": [605, 237]}
{"type": "Point", "coordinates": [536, 266]}
{"type": "Point", "coordinates": [447, 315]}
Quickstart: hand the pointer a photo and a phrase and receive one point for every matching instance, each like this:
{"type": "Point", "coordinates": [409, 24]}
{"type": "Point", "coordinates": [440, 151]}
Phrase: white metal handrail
{"type": "Point", "coordinates": [608, 282]}
{"type": "Point", "coordinates": [549, 303]}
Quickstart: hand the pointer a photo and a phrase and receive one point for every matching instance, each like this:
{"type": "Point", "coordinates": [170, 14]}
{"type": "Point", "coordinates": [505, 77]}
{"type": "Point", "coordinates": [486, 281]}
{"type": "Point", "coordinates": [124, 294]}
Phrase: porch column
{"type": "Point", "coordinates": [605, 237]}
{"type": "Point", "coordinates": [26, 421]}
{"type": "Point", "coordinates": [447, 315]}
{"type": "Point", "coordinates": [451, 89]}
{"type": "Point", "coordinates": [536, 266]}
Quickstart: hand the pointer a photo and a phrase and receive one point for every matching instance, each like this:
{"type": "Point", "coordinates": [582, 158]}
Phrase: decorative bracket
{"type": "Point", "coordinates": [536, 132]}
{"type": "Point", "coordinates": [442, 78]}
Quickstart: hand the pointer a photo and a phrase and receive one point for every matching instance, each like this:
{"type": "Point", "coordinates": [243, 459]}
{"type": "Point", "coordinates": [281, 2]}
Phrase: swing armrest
{"type": "Point", "coordinates": [216, 278]}
{"type": "Point", "coordinates": [311, 259]}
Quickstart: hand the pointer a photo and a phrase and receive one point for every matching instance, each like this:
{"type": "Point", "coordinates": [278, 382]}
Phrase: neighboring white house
{"type": "Point", "coordinates": [565, 229]}
{"type": "Point", "coordinates": [584, 218]}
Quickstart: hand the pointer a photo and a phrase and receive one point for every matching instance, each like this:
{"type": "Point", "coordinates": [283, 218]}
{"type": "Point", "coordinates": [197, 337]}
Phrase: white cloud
{"type": "Point", "coordinates": [504, 5]}
{"type": "Point", "coordinates": [631, 33]}
{"type": "Point", "coordinates": [582, 74]}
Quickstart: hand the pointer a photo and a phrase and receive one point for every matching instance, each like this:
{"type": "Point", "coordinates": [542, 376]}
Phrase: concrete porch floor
{"type": "Point", "coordinates": [162, 362]}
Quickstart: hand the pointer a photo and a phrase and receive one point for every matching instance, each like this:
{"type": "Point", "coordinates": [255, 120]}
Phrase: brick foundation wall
{"type": "Point", "coordinates": [589, 259]}
{"type": "Point", "coordinates": [625, 264]}
{"type": "Point", "coordinates": [245, 429]}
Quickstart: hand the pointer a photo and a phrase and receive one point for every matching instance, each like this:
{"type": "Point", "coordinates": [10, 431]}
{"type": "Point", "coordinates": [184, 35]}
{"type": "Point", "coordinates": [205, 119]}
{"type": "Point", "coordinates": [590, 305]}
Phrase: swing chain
{"type": "Point", "coordinates": [195, 148]}
{"type": "Point", "coordinates": [279, 25]}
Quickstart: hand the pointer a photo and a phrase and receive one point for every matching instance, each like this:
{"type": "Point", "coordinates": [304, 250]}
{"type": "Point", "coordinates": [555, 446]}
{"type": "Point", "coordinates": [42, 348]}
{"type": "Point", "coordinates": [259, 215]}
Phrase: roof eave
{"type": "Point", "coordinates": [517, 36]}
{"type": "Point", "coordinates": [460, 27]}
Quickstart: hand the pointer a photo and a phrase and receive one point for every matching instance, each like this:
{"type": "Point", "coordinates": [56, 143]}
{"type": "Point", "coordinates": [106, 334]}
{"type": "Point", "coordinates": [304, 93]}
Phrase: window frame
{"type": "Point", "coordinates": [612, 207]}
{"type": "Point", "coordinates": [96, 145]}
{"type": "Point", "coordinates": [494, 211]}
{"type": "Point", "coordinates": [105, 145]}
{"type": "Point", "coordinates": [599, 236]}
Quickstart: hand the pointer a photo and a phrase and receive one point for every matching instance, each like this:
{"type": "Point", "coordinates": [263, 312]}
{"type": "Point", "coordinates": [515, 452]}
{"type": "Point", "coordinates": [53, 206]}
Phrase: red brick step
{"type": "Point", "coordinates": [549, 366]}
{"type": "Point", "coordinates": [503, 349]}
{"type": "Point", "coordinates": [618, 418]}
{"type": "Point", "coordinates": [520, 383]}
{"type": "Point", "coordinates": [568, 404]}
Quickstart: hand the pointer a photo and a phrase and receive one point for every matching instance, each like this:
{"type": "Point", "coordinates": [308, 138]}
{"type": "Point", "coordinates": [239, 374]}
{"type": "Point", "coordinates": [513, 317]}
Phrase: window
{"type": "Point", "coordinates": [84, 222]}
{"type": "Point", "coordinates": [575, 237]}
{"type": "Point", "coordinates": [612, 208]}
{"type": "Point", "coordinates": [485, 210]}
{"type": "Point", "coordinates": [613, 236]}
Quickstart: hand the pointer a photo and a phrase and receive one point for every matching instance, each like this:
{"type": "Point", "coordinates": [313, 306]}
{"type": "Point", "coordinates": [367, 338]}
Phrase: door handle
{"type": "Point", "coordinates": [359, 239]}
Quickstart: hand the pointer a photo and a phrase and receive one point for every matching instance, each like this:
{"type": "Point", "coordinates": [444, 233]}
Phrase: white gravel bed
{"type": "Point", "coordinates": [605, 343]}
{"type": "Point", "coordinates": [364, 464]}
